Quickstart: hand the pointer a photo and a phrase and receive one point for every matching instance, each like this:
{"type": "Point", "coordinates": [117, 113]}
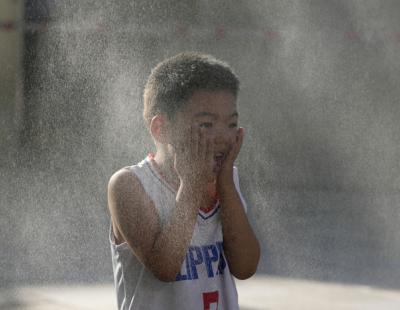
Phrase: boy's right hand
{"type": "Point", "coordinates": [194, 158]}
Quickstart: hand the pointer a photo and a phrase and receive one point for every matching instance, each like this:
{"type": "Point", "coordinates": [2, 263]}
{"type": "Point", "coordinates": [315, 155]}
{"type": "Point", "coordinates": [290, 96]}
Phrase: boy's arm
{"type": "Point", "coordinates": [241, 246]}
{"type": "Point", "coordinates": [161, 249]}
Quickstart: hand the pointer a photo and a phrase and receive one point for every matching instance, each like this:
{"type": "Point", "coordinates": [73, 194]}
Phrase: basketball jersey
{"type": "Point", "coordinates": [204, 281]}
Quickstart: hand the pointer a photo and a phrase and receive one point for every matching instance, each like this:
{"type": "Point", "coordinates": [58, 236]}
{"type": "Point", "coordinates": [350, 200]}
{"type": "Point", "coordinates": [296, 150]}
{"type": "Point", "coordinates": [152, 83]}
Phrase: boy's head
{"type": "Point", "coordinates": [173, 81]}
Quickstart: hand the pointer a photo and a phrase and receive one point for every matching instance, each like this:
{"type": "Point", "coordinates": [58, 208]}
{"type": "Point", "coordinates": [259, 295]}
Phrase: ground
{"type": "Point", "coordinates": [260, 292]}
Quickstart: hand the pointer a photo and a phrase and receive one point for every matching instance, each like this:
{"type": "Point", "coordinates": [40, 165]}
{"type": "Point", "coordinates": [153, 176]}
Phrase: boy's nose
{"type": "Point", "coordinates": [221, 137]}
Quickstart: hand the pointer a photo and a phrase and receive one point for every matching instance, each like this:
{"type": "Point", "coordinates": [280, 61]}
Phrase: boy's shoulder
{"type": "Point", "coordinates": [128, 174]}
{"type": "Point", "coordinates": [124, 180]}
{"type": "Point", "coordinates": [127, 201]}
{"type": "Point", "coordinates": [122, 174]}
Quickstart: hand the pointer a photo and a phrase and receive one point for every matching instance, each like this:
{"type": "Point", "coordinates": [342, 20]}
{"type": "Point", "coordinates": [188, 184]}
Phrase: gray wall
{"type": "Point", "coordinates": [11, 45]}
{"type": "Point", "coordinates": [319, 99]}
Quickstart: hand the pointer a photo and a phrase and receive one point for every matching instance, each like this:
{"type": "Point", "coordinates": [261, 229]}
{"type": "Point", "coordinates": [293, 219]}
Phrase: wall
{"type": "Point", "coordinates": [319, 164]}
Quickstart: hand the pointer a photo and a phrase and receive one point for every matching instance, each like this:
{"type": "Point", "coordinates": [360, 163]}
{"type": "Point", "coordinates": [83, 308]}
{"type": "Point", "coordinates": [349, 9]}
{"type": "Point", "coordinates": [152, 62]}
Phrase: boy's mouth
{"type": "Point", "coordinates": [218, 159]}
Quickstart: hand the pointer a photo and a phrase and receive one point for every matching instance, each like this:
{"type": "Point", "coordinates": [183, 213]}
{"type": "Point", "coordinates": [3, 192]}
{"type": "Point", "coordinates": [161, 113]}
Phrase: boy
{"type": "Point", "coordinates": [179, 230]}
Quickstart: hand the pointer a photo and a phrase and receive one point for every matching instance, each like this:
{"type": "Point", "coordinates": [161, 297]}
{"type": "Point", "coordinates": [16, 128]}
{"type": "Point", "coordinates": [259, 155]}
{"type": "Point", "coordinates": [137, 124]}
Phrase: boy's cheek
{"type": "Point", "coordinates": [177, 138]}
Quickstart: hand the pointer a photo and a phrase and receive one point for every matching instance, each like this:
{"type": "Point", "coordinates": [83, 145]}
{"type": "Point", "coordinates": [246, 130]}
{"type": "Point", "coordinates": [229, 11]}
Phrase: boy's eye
{"type": "Point", "coordinates": [233, 125]}
{"type": "Point", "coordinates": [206, 125]}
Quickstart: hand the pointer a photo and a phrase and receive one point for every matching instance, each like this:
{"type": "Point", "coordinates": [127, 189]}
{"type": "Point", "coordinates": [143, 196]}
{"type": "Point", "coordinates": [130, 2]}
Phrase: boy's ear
{"type": "Point", "coordinates": [159, 128]}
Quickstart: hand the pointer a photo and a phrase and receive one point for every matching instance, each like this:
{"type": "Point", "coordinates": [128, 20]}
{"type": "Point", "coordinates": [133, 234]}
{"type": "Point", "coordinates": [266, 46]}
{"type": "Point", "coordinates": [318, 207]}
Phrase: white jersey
{"type": "Point", "coordinates": [204, 281]}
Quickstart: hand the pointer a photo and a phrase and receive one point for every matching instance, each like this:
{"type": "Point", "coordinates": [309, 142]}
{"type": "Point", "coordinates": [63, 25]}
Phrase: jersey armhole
{"type": "Point", "coordinates": [112, 235]}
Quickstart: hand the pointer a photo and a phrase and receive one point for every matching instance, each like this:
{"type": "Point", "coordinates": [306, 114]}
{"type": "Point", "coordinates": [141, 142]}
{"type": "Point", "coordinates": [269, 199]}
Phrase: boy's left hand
{"type": "Point", "coordinates": [226, 172]}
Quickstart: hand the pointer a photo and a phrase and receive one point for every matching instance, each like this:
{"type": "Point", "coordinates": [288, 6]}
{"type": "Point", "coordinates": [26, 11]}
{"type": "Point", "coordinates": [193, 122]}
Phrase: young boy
{"type": "Point", "coordinates": [179, 229]}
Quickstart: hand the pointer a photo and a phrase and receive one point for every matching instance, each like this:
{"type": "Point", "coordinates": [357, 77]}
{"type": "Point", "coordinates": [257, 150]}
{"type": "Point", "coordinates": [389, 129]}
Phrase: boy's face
{"type": "Point", "coordinates": [215, 111]}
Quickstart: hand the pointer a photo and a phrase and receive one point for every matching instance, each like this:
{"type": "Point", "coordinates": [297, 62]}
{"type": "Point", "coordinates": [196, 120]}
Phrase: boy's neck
{"type": "Point", "coordinates": [166, 166]}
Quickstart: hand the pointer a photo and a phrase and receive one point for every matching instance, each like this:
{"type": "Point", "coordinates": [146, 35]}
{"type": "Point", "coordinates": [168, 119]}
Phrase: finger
{"type": "Point", "coordinates": [190, 142]}
{"type": "Point", "coordinates": [210, 152]}
{"type": "Point", "coordinates": [202, 144]}
{"type": "Point", "coordinates": [198, 146]}
{"type": "Point", "coordinates": [239, 143]}
{"type": "Point", "coordinates": [184, 141]}
{"type": "Point", "coordinates": [196, 141]}
{"type": "Point", "coordinates": [177, 147]}
{"type": "Point", "coordinates": [240, 138]}
{"type": "Point", "coordinates": [235, 147]}
{"type": "Point", "coordinates": [230, 156]}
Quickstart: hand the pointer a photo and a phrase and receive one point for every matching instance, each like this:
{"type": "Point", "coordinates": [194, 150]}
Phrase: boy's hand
{"type": "Point", "coordinates": [194, 157]}
{"type": "Point", "coordinates": [226, 173]}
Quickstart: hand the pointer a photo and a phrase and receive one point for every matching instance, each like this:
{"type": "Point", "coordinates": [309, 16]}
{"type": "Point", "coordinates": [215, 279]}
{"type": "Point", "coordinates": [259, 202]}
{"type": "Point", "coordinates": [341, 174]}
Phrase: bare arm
{"type": "Point", "coordinates": [161, 249]}
{"type": "Point", "coordinates": [241, 246]}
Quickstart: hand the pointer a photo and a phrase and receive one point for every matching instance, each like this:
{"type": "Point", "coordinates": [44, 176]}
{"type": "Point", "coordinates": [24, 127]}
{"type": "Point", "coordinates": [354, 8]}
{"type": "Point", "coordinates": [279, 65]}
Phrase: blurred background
{"type": "Point", "coordinates": [319, 100]}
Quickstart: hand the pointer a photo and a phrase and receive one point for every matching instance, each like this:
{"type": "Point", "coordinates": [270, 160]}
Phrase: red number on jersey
{"type": "Point", "coordinates": [210, 300]}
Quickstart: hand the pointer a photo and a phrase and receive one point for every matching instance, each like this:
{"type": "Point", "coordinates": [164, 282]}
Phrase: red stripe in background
{"type": "Point", "coordinates": [7, 26]}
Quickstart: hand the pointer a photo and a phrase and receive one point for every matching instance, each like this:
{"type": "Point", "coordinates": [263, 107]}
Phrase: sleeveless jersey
{"type": "Point", "coordinates": [204, 281]}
